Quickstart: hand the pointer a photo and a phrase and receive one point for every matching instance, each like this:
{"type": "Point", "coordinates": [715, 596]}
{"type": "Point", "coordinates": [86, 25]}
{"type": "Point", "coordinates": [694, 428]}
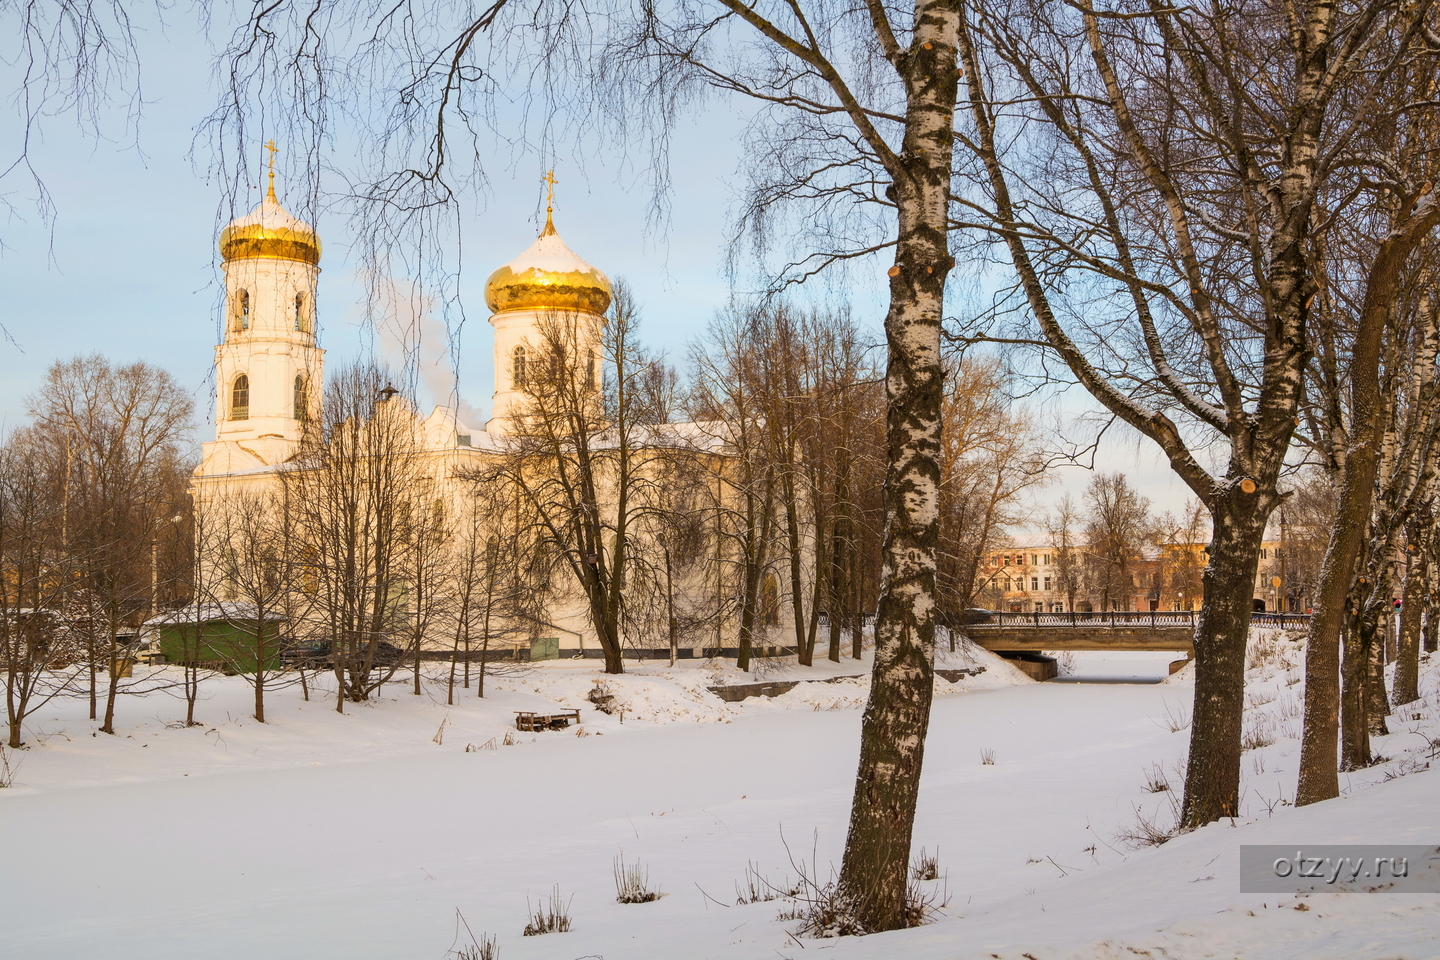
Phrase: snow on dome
{"type": "Point", "coordinates": [269, 231]}
{"type": "Point", "coordinates": [548, 276]}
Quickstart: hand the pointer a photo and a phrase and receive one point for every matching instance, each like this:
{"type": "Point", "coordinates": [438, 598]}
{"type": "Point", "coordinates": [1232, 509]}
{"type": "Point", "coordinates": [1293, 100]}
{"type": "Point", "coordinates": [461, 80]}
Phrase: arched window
{"type": "Point", "coordinates": [302, 407]}
{"type": "Point", "coordinates": [240, 398]}
{"type": "Point", "coordinates": [299, 311]}
{"type": "Point", "coordinates": [770, 601]}
{"type": "Point", "coordinates": [590, 373]}
{"type": "Point", "coordinates": [242, 311]}
{"type": "Point", "coordinates": [517, 367]}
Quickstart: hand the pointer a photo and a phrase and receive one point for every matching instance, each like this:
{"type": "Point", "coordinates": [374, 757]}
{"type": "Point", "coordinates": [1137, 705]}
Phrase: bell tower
{"type": "Point", "coordinates": [547, 282]}
{"type": "Point", "coordinates": [268, 368]}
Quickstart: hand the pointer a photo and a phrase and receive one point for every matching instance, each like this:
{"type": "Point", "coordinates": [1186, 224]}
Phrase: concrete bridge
{"type": "Point", "coordinates": [1155, 630]}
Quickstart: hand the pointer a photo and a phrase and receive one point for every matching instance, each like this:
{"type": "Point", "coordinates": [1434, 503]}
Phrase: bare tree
{"type": "Point", "coordinates": [1118, 526]}
{"type": "Point", "coordinates": [581, 457]}
{"type": "Point", "coordinates": [1412, 609]}
{"type": "Point", "coordinates": [498, 581]}
{"type": "Point", "coordinates": [118, 430]}
{"type": "Point", "coordinates": [37, 642]}
{"type": "Point", "coordinates": [250, 557]}
{"type": "Point", "coordinates": [1159, 212]}
{"type": "Point", "coordinates": [730, 387]}
{"type": "Point", "coordinates": [354, 496]}
{"type": "Point", "coordinates": [990, 458]}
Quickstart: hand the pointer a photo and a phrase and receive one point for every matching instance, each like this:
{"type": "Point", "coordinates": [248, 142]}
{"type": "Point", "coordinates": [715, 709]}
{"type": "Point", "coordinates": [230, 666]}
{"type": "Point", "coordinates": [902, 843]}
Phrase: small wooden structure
{"type": "Point", "coordinates": [530, 720]}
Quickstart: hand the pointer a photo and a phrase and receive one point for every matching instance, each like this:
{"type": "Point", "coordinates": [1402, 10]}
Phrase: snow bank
{"type": "Point", "coordinates": [361, 835]}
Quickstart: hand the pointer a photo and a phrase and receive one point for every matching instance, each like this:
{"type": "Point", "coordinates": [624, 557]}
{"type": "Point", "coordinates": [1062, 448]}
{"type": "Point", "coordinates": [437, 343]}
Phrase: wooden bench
{"type": "Point", "coordinates": [532, 721]}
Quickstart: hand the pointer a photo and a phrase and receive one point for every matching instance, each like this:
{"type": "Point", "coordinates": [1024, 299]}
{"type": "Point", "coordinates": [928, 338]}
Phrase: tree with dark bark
{"type": "Point", "coordinates": [119, 432]}
{"type": "Point", "coordinates": [1118, 527]}
{"type": "Point", "coordinates": [37, 580]}
{"type": "Point", "coordinates": [583, 459]}
{"type": "Point", "coordinates": [1159, 209]}
{"type": "Point", "coordinates": [354, 496]}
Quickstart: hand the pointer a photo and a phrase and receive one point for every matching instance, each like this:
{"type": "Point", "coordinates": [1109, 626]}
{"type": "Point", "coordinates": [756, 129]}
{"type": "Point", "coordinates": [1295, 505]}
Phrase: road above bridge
{"type": "Point", "coordinates": [1021, 639]}
{"type": "Point", "coordinates": [1032, 633]}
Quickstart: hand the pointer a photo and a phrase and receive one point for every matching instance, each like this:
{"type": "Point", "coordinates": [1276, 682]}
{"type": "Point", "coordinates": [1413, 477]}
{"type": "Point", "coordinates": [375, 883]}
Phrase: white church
{"type": "Point", "coordinates": [270, 367]}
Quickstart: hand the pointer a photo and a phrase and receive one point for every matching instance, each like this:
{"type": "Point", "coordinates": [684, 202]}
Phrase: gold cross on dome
{"type": "Point", "coordinates": [273, 150]}
{"type": "Point", "coordinates": [549, 178]}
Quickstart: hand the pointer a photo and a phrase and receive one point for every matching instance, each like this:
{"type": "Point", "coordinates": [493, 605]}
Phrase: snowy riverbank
{"type": "Point", "coordinates": [360, 835]}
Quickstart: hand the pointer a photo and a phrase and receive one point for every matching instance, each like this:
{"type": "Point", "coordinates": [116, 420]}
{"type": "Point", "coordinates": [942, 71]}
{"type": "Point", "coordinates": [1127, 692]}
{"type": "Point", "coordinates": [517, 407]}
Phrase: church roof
{"type": "Point", "coordinates": [270, 232]}
{"type": "Point", "coordinates": [548, 276]}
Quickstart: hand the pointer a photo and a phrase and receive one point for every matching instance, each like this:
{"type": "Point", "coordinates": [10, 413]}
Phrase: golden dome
{"type": "Point", "coordinates": [548, 276]}
{"type": "Point", "coordinates": [270, 232]}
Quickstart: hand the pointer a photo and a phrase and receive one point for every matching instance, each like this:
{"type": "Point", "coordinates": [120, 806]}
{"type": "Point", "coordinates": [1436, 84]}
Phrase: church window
{"type": "Point", "coordinates": [242, 313]}
{"type": "Point", "coordinates": [770, 601]}
{"type": "Point", "coordinates": [302, 406]}
{"type": "Point", "coordinates": [590, 373]}
{"type": "Point", "coordinates": [517, 367]}
{"type": "Point", "coordinates": [240, 398]}
{"type": "Point", "coordinates": [299, 311]}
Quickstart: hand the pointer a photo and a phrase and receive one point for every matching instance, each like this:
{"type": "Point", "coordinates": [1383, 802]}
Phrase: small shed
{"type": "Point", "coordinates": [225, 636]}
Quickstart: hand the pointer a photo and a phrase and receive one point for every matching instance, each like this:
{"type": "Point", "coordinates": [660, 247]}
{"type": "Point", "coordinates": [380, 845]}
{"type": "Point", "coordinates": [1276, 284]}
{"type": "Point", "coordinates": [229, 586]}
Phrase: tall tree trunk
{"type": "Point", "coordinates": [805, 651]}
{"type": "Point", "coordinates": [1432, 600]}
{"type": "Point", "coordinates": [1354, 726]}
{"type": "Point", "coordinates": [1407, 666]}
{"type": "Point", "coordinates": [874, 874]}
{"type": "Point", "coordinates": [1319, 778]}
{"type": "Point", "coordinates": [1377, 704]}
{"type": "Point", "coordinates": [1212, 777]}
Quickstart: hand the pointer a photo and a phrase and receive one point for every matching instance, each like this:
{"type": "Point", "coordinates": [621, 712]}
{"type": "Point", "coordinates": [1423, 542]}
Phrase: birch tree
{"type": "Point", "coordinates": [1157, 204]}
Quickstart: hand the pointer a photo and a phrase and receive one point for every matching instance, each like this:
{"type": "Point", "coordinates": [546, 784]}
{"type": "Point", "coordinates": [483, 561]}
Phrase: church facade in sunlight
{"type": "Point", "coordinates": [270, 409]}
{"type": "Point", "coordinates": [269, 368]}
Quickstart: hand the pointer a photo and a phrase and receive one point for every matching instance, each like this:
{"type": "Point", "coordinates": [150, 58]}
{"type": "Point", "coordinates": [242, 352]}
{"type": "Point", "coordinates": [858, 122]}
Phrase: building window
{"type": "Point", "coordinates": [590, 373]}
{"type": "Point", "coordinates": [770, 601]}
{"type": "Point", "coordinates": [1039, 607]}
{"type": "Point", "coordinates": [1263, 554]}
{"type": "Point", "coordinates": [1045, 559]}
{"type": "Point", "coordinates": [517, 367]}
{"type": "Point", "coordinates": [299, 311]}
{"type": "Point", "coordinates": [302, 407]}
{"type": "Point", "coordinates": [1047, 583]}
{"type": "Point", "coordinates": [1034, 583]}
{"type": "Point", "coordinates": [240, 398]}
{"type": "Point", "coordinates": [242, 312]}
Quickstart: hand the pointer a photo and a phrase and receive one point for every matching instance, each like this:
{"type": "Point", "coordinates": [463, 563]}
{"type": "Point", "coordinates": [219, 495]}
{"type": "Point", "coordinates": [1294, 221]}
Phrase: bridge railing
{"type": "Point", "coordinates": [1283, 621]}
{"type": "Point", "coordinates": [1134, 618]}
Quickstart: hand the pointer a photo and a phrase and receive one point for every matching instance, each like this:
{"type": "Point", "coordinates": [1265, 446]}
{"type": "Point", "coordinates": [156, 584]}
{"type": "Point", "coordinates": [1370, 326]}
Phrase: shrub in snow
{"type": "Point", "coordinates": [1155, 780]}
{"type": "Point", "coordinates": [484, 948]}
{"type": "Point", "coordinates": [632, 883]}
{"type": "Point", "coordinates": [553, 917]}
{"type": "Point", "coordinates": [927, 865]}
{"type": "Point", "coordinates": [759, 889]}
{"type": "Point", "coordinates": [602, 697]}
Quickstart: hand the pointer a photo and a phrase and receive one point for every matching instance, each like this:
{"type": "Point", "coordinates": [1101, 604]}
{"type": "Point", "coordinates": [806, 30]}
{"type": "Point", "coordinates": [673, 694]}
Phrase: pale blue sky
{"type": "Point", "coordinates": [129, 267]}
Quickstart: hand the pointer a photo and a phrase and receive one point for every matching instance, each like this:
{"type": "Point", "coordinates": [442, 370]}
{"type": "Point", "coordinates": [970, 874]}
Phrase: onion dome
{"type": "Point", "coordinates": [548, 276]}
{"type": "Point", "coordinates": [269, 232]}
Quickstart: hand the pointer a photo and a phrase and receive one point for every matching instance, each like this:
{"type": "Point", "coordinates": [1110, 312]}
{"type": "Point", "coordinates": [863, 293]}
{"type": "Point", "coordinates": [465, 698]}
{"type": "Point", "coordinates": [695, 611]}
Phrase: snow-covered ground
{"type": "Point", "coordinates": [361, 835]}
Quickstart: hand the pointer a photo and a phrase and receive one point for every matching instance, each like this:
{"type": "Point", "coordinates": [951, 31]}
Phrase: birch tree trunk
{"type": "Point", "coordinates": [874, 874]}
